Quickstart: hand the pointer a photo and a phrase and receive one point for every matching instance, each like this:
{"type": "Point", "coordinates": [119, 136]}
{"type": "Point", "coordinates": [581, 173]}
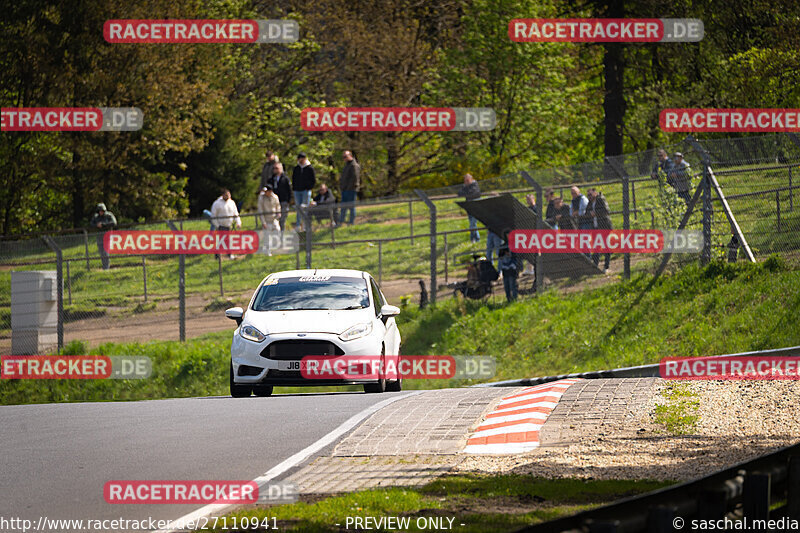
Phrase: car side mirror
{"type": "Point", "coordinates": [235, 313]}
{"type": "Point", "coordinates": [389, 310]}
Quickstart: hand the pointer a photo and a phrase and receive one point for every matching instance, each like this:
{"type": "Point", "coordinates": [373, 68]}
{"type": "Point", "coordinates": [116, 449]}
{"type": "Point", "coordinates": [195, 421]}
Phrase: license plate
{"type": "Point", "coordinates": [291, 365]}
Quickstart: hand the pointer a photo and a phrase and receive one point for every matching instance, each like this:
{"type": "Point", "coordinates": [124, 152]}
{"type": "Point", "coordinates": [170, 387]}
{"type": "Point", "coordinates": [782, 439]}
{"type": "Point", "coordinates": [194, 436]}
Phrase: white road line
{"type": "Point", "coordinates": [526, 405]}
{"type": "Point", "coordinates": [516, 428]}
{"type": "Point", "coordinates": [515, 399]}
{"type": "Point", "coordinates": [294, 460]}
{"type": "Point", "coordinates": [511, 418]}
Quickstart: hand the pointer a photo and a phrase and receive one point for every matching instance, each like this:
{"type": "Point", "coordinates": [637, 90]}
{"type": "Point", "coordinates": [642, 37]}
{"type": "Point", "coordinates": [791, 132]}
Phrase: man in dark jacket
{"type": "Point", "coordinates": [549, 197]}
{"type": "Point", "coordinates": [104, 221]}
{"type": "Point", "coordinates": [471, 191]}
{"type": "Point", "coordinates": [303, 180]}
{"type": "Point", "coordinates": [323, 203]}
{"type": "Point", "coordinates": [267, 170]}
{"type": "Point", "coordinates": [280, 184]}
{"type": "Point", "coordinates": [561, 218]}
{"type": "Point", "coordinates": [349, 184]}
{"type": "Point", "coordinates": [598, 209]}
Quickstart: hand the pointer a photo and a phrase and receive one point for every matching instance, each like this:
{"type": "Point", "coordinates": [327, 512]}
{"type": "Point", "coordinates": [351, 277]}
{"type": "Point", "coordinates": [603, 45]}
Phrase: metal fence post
{"type": "Point", "coordinates": [181, 290]}
{"type": "Point", "coordinates": [219, 270]}
{"type": "Point", "coordinates": [411, 220]}
{"type": "Point", "coordinates": [445, 258]}
{"type": "Point", "coordinates": [69, 285]}
{"type": "Point", "coordinates": [756, 496]}
{"type": "Point", "coordinates": [633, 198]}
{"type": "Point", "coordinates": [380, 262]}
{"type": "Point", "coordinates": [793, 489]}
{"type": "Point", "coordinates": [309, 234]}
{"type": "Point", "coordinates": [626, 211]}
{"type": "Point", "coordinates": [432, 211]}
{"type": "Point", "coordinates": [59, 289]}
{"type": "Point", "coordinates": [791, 191]}
{"type": "Point", "coordinates": [86, 247]}
{"type": "Point", "coordinates": [538, 278]}
{"type": "Point", "coordinates": [708, 211]}
{"type": "Point", "coordinates": [778, 208]}
{"type": "Point", "coordinates": [144, 277]}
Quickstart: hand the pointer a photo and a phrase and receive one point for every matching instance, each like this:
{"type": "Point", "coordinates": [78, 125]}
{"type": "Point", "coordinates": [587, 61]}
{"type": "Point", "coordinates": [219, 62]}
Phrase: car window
{"type": "Point", "coordinates": [377, 296]}
{"type": "Point", "coordinates": [312, 292]}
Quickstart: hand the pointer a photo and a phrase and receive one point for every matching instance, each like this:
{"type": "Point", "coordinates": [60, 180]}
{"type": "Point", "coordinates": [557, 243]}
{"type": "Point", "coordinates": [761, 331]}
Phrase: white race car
{"type": "Point", "coordinates": [326, 315]}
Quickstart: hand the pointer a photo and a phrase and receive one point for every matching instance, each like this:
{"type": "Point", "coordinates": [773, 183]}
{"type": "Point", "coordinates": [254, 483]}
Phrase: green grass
{"type": "Point", "coordinates": [696, 311]}
{"type": "Point", "coordinates": [678, 413]}
{"type": "Point", "coordinates": [480, 503]}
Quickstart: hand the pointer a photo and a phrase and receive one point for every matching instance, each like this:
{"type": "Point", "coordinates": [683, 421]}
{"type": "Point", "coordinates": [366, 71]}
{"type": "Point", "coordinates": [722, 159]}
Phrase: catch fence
{"type": "Point", "coordinates": [745, 194]}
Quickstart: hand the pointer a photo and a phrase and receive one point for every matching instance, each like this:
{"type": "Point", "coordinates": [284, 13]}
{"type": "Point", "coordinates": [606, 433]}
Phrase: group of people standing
{"type": "Point", "coordinates": [276, 191]}
{"type": "Point", "coordinates": [585, 212]}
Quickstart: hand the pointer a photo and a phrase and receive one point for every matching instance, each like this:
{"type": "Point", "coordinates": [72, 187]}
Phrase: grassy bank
{"type": "Point", "coordinates": [721, 308]}
{"type": "Point", "coordinates": [472, 503]}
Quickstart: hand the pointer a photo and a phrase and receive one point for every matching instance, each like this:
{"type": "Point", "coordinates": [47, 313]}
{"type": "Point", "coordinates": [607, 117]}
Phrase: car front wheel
{"type": "Point", "coordinates": [380, 385]}
{"type": "Point", "coordinates": [238, 390]}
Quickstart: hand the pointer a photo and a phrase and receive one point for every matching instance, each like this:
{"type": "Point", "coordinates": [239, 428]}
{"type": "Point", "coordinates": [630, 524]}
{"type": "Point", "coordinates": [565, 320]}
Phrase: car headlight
{"type": "Point", "coordinates": [356, 332]}
{"type": "Point", "coordinates": [252, 334]}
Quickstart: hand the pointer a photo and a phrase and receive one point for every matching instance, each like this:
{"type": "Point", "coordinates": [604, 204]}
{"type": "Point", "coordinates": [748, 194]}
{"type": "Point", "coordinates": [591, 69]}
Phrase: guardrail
{"type": "Point", "coordinates": [764, 489]}
{"type": "Point", "coordinates": [642, 371]}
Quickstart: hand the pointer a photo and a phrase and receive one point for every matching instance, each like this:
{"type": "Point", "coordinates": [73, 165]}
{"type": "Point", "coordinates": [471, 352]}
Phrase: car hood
{"type": "Point", "coordinates": [313, 321]}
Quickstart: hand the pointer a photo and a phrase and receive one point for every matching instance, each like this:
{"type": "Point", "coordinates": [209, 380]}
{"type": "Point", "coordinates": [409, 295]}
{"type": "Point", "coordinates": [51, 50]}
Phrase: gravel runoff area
{"type": "Point", "coordinates": [737, 421]}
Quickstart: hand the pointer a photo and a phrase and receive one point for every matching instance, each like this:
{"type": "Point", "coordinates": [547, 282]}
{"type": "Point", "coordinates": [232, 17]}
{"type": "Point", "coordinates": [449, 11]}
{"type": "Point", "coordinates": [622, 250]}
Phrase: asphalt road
{"type": "Point", "coordinates": [56, 458]}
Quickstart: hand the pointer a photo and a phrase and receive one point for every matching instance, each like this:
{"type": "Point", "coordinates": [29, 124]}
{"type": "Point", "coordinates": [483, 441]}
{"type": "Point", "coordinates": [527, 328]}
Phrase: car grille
{"type": "Point", "coordinates": [294, 350]}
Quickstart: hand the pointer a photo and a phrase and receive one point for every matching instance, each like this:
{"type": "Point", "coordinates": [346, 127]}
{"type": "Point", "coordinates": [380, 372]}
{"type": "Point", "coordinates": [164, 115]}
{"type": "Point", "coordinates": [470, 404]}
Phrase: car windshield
{"type": "Point", "coordinates": [312, 292]}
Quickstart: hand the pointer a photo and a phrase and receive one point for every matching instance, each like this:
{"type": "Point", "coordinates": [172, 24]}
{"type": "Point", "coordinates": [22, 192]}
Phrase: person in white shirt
{"type": "Point", "coordinates": [224, 214]}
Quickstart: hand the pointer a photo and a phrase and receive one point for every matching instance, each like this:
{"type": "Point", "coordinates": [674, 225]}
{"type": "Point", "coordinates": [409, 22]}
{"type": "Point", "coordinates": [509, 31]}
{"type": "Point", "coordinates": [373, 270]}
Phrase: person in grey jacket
{"type": "Point", "coordinates": [266, 170]}
{"type": "Point", "coordinates": [103, 220]}
{"type": "Point", "coordinates": [349, 184]}
{"type": "Point", "coordinates": [471, 191]}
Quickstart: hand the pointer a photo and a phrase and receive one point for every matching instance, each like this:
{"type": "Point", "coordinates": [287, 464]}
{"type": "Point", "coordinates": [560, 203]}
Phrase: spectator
{"type": "Point", "coordinates": [577, 208]}
{"type": "Point", "coordinates": [549, 197]}
{"type": "Point", "coordinates": [471, 191]}
{"type": "Point", "coordinates": [267, 169]}
{"type": "Point", "coordinates": [280, 184]}
{"type": "Point", "coordinates": [531, 201]}
{"type": "Point", "coordinates": [561, 218]}
{"type": "Point", "coordinates": [103, 220]}
{"type": "Point", "coordinates": [508, 266]}
{"type": "Point", "coordinates": [598, 209]}
{"type": "Point", "coordinates": [303, 181]}
{"type": "Point", "coordinates": [493, 242]}
{"type": "Point", "coordinates": [324, 198]}
{"type": "Point", "coordinates": [225, 214]}
{"type": "Point", "coordinates": [680, 178]}
{"type": "Point", "coordinates": [349, 184]}
{"type": "Point", "coordinates": [663, 163]}
{"type": "Point", "coordinates": [269, 209]}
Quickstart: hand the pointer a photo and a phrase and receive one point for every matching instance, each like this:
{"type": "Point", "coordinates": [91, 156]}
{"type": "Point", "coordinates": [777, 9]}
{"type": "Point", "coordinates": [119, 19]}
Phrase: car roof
{"type": "Point", "coordinates": [344, 272]}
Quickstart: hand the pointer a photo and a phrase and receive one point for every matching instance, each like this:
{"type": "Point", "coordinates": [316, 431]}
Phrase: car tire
{"type": "Point", "coordinates": [238, 390]}
{"type": "Point", "coordinates": [380, 385]}
{"type": "Point", "coordinates": [262, 391]}
{"type": "Point", "coordinates": [395, 386]}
